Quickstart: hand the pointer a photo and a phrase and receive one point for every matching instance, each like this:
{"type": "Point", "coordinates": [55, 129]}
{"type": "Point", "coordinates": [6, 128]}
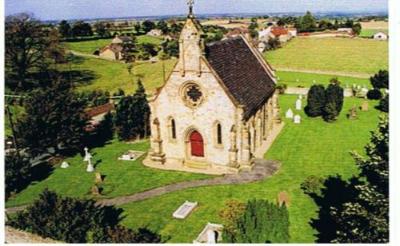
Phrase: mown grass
{"type": "Point", "coordinates": [296, 79]}
{"type": "Point", "coordinates": [16, 112]}
{"type": "Point", "coordinates": [369, 33]}
{"type": "Point", "coordinates": [311, 148]}
{"type": "Point", "coordinates": [111, 75]}
{"type": "Point", "coordinates": [352, 56]}
{"type": "Point", "coordinates": [121, 177]}
{"type": "Point", "coordinates": [91, 46]}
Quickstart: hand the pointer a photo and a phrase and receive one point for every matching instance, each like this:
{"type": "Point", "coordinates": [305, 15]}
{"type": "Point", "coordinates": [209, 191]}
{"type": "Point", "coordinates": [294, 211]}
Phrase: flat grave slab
{"type": "Point", "coordinates": [184, 210]}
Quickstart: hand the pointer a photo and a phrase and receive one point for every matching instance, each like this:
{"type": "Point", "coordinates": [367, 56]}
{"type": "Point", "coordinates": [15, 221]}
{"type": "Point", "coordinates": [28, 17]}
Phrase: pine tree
{"type": "Point", "coordinates": [380, 80]}
{"type": "Point", "coordinates": [334, 101]}
{"type": "Point", "coordinates": [315, 101]}
{"type": "Point", "coordinates": [54, 118]}
{"type": "Point", "coordinates": [17, 172]}
{"type": "Point", "coordinates": [133, 113]}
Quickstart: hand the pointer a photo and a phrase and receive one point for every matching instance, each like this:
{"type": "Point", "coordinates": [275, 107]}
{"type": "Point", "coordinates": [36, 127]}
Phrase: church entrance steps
{"type": "Point", "coordinates": [196, 164]}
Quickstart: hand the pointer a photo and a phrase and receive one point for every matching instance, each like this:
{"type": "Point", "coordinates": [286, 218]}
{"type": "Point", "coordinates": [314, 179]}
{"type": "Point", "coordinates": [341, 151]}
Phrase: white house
{"type": "Point", "coordinates": [380, 36]}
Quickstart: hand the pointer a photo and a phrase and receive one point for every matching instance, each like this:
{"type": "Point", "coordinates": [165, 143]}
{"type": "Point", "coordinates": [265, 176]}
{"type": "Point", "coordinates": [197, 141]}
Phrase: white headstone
{"type": "Point", "coordinates": [64, 164]}
{"type": "Point", "coordinates": [289, 114]}
{"type": "Point", "coordinates": [300, 97]}
{"type": "Point", "coordinates": [297, 119]}
{"type": "Point", "coordinates": [298, 104]}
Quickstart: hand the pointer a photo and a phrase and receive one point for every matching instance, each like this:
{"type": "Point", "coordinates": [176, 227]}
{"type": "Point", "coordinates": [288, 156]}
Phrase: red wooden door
{"type": "Point", "coordinates": [196, 144]}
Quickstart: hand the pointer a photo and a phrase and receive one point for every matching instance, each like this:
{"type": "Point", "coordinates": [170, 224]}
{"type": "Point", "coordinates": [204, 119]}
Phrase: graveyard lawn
{"type": "Point", "coordinates": [99, 74]}
{"type": "Point", "coordinates": [362, 57]}
{"type": "Point", "coordinates": [91, 46]}
{"type": "Point", "coordinates": [311, 148]}
{"type": "Point", "coordinates": [306, 80]}
{"type": "Point", "coordinates": [121, 177]}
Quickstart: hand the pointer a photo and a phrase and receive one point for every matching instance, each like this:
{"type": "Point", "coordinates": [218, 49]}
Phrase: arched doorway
{"type": "Point", "coordinates": [196, 144]}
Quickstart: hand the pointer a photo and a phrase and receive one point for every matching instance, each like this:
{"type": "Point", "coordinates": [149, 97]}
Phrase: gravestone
{"type": "Point", "coordinates": [64, 164]}
{"type": "Point", "coordinates": [289, 114]}
{"type": "Point", "coordinates": [352, 113]}
{"type": "Point", "coordinates": [364, 106]}
{"type": "Point", "coordinates": [89, 168]}
{"type": "Point", "coordinates": [298, 104]}
{"type": "Point", "coordinates": [184, 210]}
{"type": "Point", "coordinates": [99, 179]}
{"type": "Point", "coordinates": [300, 97]}
{"type": "Point", "coordinates": [283, 198]}
{"type": "Point", "coordinates": [297, 119]}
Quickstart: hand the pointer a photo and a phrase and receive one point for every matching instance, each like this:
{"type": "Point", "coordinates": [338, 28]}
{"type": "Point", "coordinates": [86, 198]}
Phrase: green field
{"type": "Point", "coordinates": [91, 46]}
{"type": "Point", "coordinates": [311, 148]}
{"type": "Point", "coordinates": [296, 79]}
{"type": "Point", "coordinates": [351, 56]}
{"type": "Point", "coordinates": [110, 75]}
{"type": "Point", "coordinates": [368, 33]}
{"type": "Point", "coordinates": [121, 177]}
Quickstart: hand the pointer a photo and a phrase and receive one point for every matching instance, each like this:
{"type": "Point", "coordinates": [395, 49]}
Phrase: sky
{"type": "Point", "coordinates": [88, 9]}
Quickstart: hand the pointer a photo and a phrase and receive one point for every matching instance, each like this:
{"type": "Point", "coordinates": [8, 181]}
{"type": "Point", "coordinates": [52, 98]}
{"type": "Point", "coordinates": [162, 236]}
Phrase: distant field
{"type": "Point", "coordinates": [351, 56]}
{"type": "Point", "coordinates": [91, 46]}
{"type": "Point", "coordinates": [375, 25]}
{"type": "Point", "coordinates": [296, 79]}
{"type": "Point", "coordinates": [110, 76]}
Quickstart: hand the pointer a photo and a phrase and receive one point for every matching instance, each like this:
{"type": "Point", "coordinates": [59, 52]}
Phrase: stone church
{"type": "Point", "coordinates": [217, 110]}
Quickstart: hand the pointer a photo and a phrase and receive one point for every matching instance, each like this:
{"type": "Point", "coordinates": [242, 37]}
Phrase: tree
{"type": "Point", "coordinates": [306, 23]}
{"type": "Point", "coordinates": [374, 94]}
{"type": "Point", "coordinates": [163, 26]}
{"type": "Point", "coordinates": [17, 172]}
{"type": "Point", "coordinates": [25, 49]}
{"type": "Point", "coordinates": [148, 25]}
{"type": "Point", "coordinates": [334, 101]}
{"type": "Point", "coordinates": [361, 215]}
{"type": "Point", "coordinates": [315, 101]}
{"type": "Point", "coordinates": [380, 80]}
{"type": "Point", "coordinates": [356, 28]}
{"type": "Point", "coordinates": [132, 116]}
{"type": "Point", "coordinates": [232, 211]}
{"type": "Point", "coordinates": [54, 50]}
{"type": "Point", "coordinates": [54, 119]}
{"type": "Point", "coordinates": [281, 22]}
{"type": "Point", "coordinates": [64, 28]}
{"type": "Point", "coordinates": [81, 29]}
{"type": "Point", "coordinates": [101, 29]}
{"type": "Point", "coordinates": [171, 48]}
{"type": "Point", "coordinates": [137, 27]}
{"type": "Point", "coordinates": [262, 222]}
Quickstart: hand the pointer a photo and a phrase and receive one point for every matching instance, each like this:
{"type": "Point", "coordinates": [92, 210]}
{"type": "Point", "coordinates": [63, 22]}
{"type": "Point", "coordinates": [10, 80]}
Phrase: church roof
{"type": "Point", "coordinates": [242, 73]}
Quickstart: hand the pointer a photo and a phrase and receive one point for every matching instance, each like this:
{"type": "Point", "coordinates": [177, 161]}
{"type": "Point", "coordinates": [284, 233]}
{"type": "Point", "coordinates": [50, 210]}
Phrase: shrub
{"type": "Point", "coordinates": [77, 221]}
{"type": "Point", "coordinates": [262, 222]}
{"type": "Point", "coordinates": [281, 88]}
{"type": "Point", "coordinates": [380, 80]}
{"type": "Point", "coordinates": [330, 112]}
{"type": "Point", "coordinates": [315, 101]}
{"type": "Point", "coordinates": [230, 214]}
{"type": "Point", "coordinates": [384, 104]}
{"type": "Point", "coordinates": [374, 94]}
{"type": "Point", "coordinates": [312, 185]}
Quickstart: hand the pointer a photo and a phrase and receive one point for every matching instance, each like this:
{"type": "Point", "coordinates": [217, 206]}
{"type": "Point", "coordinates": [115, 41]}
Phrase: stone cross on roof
{"type": "Point", "coordinates": [190, 3]}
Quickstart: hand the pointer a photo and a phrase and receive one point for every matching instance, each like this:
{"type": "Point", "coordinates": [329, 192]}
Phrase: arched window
{"type": "Point", "coordinates": [173, 129]}
{"type": "Point", "coordinates": [219, 134]}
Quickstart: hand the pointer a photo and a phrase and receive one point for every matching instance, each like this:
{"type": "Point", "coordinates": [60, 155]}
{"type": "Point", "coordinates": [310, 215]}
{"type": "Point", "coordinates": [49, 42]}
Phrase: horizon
{"type": "Point", "coordinates": [93, 9]}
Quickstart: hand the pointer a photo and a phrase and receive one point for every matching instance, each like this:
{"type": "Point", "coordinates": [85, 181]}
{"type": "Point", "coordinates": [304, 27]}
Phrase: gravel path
{"type": "Point", "coordinates": [262, 169]}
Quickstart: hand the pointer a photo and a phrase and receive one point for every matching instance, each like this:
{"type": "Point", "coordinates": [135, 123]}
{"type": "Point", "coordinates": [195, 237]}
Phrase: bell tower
{"type": "Point", "coordinates": [191, 45]}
